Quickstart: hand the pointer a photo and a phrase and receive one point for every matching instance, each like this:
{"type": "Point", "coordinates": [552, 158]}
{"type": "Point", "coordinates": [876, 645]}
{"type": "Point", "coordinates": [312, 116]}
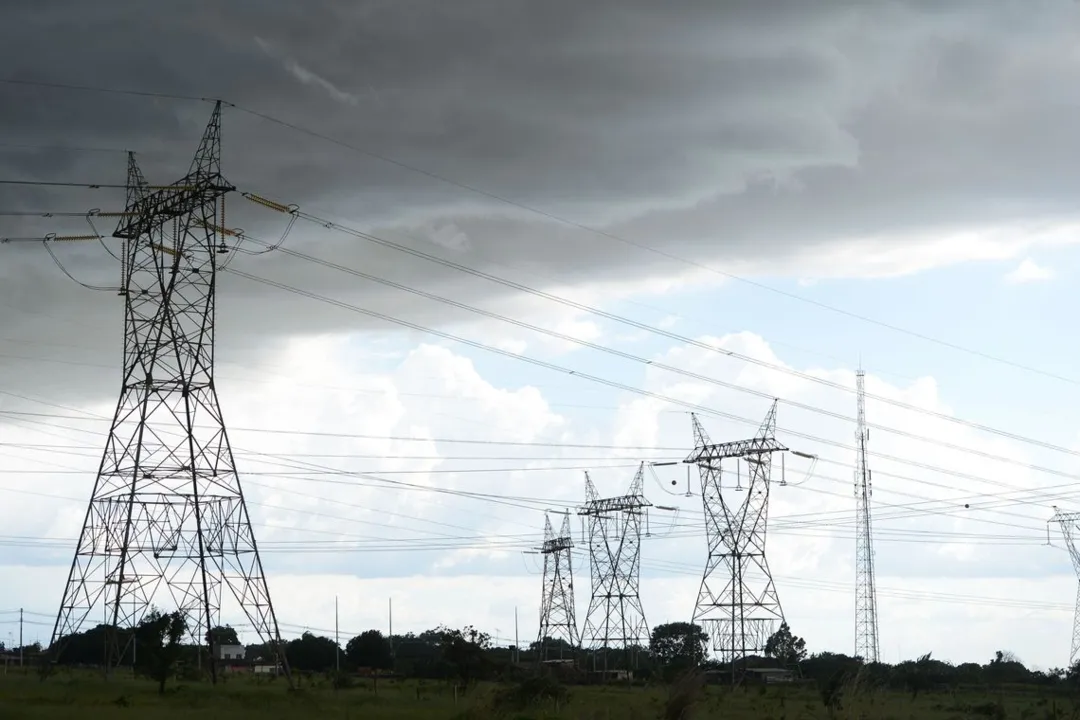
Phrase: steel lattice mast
{"type": "Point", "coordinates": [1070, 522]}
{"type": "Point", "coordinates": [866, 620]}
{"type": "Point", "coordinates": [737, 604]}
{"type": "Point", "coordinates": [167, 510]}
{"type": "Point", "coordinates": [557, 617]}
{"type": "Point", "coordinates": [615, 618]}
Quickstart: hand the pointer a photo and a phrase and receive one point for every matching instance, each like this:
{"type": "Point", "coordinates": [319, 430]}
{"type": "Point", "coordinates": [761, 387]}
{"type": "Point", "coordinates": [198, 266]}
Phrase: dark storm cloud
{"type": "Point", "coordinates": [728, 130]}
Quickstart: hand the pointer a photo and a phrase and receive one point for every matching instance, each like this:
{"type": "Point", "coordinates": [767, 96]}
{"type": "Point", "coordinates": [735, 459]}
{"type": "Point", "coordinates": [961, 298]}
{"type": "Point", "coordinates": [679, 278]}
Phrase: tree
{"type": "Point", "coordinates": [1006, 667]}
{"type": "Point", "coordinates": [783, 646]}
{"type": "Point", "coordinates": [554, 647]}
{"type": "Point", "coordinates": [312, 653]}
{"type": "Point", "coordinates": [678, 645]}
{"type": "Point", "coordinates": [1071, 675]}
{"type": "Point", "coordinates": [369, 649]}
{"type": "Point", "coordinates": [225, 636]}
{"type": "Point", "coordinates": [158, 637]}
{"type": "Point", "coordinates": [465, 651]}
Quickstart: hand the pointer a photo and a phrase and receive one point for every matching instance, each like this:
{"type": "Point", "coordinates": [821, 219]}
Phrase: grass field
{"type": "Point", "coordinates": [89, 697]}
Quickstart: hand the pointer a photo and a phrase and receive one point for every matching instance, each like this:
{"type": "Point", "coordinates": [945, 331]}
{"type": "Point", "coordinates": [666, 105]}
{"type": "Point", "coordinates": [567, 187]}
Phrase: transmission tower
{"type": "Point", "coordinates": [866, 620]}
{"type": "Point", "coordinates": [615, 618]}
{"type": "Point", "coordinates": [1069, 524]}
{"type": "Point", "coordinates": [737, 605]}
{"type": "Point", "coordinates": [557, 619]}
{"type": "Point", "coordinates": [167, 510]}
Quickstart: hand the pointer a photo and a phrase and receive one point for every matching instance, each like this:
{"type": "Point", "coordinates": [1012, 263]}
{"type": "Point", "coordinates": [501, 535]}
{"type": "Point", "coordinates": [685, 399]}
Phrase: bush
{"type": "Point", "coordinates": [683, 695]}
{"type": "Point", "coordinates": [529, 692]}
{"type": "Point", "coordinates": [342, 680]}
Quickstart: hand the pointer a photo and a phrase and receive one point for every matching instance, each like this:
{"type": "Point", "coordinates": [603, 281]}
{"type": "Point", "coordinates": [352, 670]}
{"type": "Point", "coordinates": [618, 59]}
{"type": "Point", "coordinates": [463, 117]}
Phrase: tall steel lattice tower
{"type": "Point", "coordinates": [1070, 522]}
{"type": "Point", "coordinates": [866, 619]}
{"type": "Point", "coordinates": [737, 605]}
{"type": "Point", "coordinates": [615, 619]}
{"type": "Point", "coordinates": [557, 617]}
{"type": "Point", "coordinates": [167, 510]}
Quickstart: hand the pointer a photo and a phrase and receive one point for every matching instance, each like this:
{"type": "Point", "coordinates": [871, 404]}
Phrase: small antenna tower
{"type": "Point", "coordinates": [737, 605]}
{"type": "Point", "coordinates": [615, 619]}
{"type": "Point", "coordinates": [866, 620]}
{"type": "Point", "coordinates": [557, 618]}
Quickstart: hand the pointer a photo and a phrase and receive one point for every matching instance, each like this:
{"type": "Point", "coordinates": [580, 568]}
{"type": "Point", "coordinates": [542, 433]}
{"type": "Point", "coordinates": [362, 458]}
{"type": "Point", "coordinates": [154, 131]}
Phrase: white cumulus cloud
{"type": "Point", "coordinates": [1028, 271]}
{"type": "Point", "coordinates": [413, 476]}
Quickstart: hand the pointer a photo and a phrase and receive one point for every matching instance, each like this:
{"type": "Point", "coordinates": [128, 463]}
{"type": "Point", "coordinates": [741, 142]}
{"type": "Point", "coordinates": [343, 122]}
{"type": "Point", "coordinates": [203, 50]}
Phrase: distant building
{"type": "Point", "coordinates": [767, 676]}
{"type": "Point", "coordinates": [233, 653]}
{"type": "Point", "coordinates": [751, 676]}
{"type": "Point", "coordinates": [604, 676]}
{"type": "Point", "coordinates": [262, 669]}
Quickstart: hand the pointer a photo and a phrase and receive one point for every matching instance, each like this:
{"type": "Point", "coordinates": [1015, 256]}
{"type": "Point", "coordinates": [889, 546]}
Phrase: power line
{"type": "Point", "coordinates": [395, 438]}
{"type": "Point", "coordinates": [84, 185]}
{"type": "Point", "coordinates": [595, 346]}
{"type": "Point", "coordinates": [109, 91]}
{"type": "Point", "coordinates": [990, 455]}
{"type": "Point", "coordinates": [659, 365]}
{"type": "Point", "coordinates": [545, 214]}
{"type": "Point", "coordinates": [594, 378]}
{"type": "Point", "coordinates": [330, 225]}
{"type": "Point", "coordinates": [651, 249]}
{"type": "Point", "coordinates": [434, 471]}
{"type": "Point", "coordinates": [901, 477]}
{"type": "Point", "coordinates": [912, 510]}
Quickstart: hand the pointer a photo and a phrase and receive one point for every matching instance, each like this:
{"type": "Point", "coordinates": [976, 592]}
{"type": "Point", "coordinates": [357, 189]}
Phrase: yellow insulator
{"type": "Point", "coordinates": [164, 249]}
{"type": "Point", "coordinates": [266, 203]}
{"type": "Point", "coordinates": [223, 230]}
{"type": "Point", "coordinates": [72, 238]}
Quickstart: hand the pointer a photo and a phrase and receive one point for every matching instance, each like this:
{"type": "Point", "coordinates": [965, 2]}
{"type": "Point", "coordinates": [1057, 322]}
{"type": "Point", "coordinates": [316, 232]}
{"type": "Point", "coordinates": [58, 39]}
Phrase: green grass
{"type": "Point", "coordinates": [74, 696]}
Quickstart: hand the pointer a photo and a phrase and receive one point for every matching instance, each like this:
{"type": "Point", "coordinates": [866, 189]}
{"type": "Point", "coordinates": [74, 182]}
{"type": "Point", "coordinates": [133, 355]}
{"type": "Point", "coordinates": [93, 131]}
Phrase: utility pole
{"type": "Point", "coordinates": [337, 638]}
{"type": "Point", "coordinates": [557, 614]}
{"type": "Point", "coordinates": [517, 648]}
{"type": "Point", "coordinates": [167, 511]}
{"type": "Point", "coordinates": [737, 604]}
{"type": "Point", "coordinates": [615, 617]}
{"type": "Point", "coordinates": [866, 620]}
{"type": "Point", "coordinates": [20, 638]}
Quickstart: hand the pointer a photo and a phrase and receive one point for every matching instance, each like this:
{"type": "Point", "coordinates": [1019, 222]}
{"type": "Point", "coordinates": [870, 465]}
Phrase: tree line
{"type": "Point", "coordinates": [157, 649]}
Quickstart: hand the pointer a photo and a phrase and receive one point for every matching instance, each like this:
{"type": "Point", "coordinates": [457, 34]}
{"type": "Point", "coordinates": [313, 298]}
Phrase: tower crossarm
{"type": "Point", "coordinates": [734, 449]}
{"type": "Point", "coordinates": [152, 211]}
{"type": "Point", "coordinates": [556, 545]}
{"type": "Point", "coordinates": [623, 503]}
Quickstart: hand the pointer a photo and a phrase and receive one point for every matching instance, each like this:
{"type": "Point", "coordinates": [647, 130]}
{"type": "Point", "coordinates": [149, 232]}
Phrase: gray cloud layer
{"type": "Point", "coordinates": [717, 131]}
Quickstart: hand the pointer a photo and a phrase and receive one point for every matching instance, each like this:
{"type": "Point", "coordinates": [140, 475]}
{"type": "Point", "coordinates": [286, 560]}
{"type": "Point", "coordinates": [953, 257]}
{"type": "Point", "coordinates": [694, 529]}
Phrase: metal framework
{"type": "Point", "coordinates": [737, 604]}
{"type": "Point", "coordinates": [1070, 523]}
{"type": "Point", "coordinates": [557, 618]}
{"type": "Point", "coordinates": [167, 510]}
{"type": "Point", "coordinates": [866, 620]}
{"type": "Point", "coordinates": [615, 618]}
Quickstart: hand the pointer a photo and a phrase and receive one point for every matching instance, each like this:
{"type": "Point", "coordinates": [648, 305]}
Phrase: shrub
{"type": "Point", "coordinates": [530, 691]}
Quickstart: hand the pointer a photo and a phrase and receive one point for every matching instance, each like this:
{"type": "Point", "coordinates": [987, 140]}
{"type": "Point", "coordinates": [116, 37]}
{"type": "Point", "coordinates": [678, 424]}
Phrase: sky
{"type": "Point", "coordinates": [758, 197]}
